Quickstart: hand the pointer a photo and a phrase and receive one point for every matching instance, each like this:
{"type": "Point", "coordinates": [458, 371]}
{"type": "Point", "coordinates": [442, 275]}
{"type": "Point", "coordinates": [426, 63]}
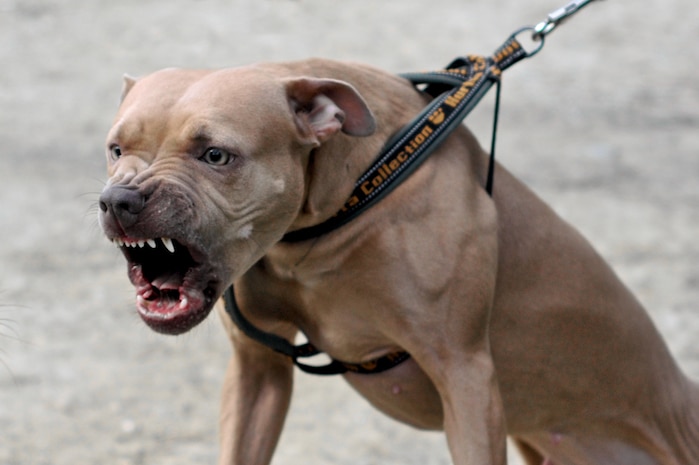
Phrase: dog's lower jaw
{"type": "Point", "coordinates": [175, 283]}
{"type": "Point", "coordinates": [170, 316]}
{"type": "Point", "coordinates": [172, 307]}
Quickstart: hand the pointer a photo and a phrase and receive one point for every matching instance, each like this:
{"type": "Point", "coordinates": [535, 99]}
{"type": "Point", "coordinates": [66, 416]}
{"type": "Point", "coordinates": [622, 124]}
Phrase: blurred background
{"type": "Point", "coordinates": [603, 124]}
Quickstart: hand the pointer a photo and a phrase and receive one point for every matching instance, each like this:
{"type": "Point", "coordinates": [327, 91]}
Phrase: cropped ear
{"type": "Point", "coordinates": [127, 85]}
{"type": "Point", "coordinates": [322, 107]}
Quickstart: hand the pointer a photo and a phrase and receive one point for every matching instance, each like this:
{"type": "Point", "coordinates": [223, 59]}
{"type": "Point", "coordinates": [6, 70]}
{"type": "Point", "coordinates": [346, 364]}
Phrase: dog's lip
{"type": "Point", "coordinates": [169, 300]}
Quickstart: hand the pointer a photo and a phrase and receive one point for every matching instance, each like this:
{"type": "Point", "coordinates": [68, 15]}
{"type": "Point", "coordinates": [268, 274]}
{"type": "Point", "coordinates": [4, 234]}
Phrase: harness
{"type": "Point", "coordinates": [455, 92]}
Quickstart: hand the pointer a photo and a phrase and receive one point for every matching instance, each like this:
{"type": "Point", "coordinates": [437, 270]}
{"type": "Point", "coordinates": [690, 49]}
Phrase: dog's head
{"type": "Point", "coordinates": [208, 170]}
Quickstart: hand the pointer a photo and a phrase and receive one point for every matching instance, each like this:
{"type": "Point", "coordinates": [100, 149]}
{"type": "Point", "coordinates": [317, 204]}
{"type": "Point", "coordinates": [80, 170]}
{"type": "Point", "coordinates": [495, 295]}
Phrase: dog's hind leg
{"type": "Point", "coordinates": [681, 429]}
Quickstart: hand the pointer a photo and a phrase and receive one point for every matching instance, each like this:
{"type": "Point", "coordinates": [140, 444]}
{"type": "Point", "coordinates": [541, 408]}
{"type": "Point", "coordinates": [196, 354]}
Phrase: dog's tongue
{"type": "Point", "coordinates": [168, 282]}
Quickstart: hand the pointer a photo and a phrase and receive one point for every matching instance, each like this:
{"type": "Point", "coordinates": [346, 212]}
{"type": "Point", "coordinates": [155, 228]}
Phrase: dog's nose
{"type": "Point", "coordinates": [124, 203]}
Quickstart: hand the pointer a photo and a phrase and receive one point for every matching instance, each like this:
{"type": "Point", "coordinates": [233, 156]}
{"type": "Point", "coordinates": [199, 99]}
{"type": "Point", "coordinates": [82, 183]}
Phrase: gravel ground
{"type": "Point", "coordinates": [603, 124]}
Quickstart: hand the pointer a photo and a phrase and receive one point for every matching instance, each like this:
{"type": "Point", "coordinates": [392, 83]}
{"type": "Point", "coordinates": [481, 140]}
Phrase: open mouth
{"type": "Point", "coordinates": [174, 289]}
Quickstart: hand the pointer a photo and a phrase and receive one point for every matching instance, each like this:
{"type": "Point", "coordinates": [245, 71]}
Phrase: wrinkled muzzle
{"type": "Point", "coordinates": [175, 283]}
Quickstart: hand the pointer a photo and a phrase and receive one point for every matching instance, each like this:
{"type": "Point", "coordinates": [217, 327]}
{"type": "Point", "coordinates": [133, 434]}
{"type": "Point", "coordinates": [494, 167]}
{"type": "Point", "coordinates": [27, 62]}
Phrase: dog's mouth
{"type": "Point", "coordinates": [175, 289]}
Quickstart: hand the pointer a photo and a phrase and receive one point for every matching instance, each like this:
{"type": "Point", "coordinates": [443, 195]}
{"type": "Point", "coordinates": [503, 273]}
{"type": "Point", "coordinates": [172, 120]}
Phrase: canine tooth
{"type": "Point", "coordinates": [183, 303]}
{"type": "Point", "coordinates": [151, 243]}
{"type": "Point", "coordinates": [141, 243]}
{"type": "Point", "coordinates": [167, 242]}
{"type": "Point", "coordinates": [119, 242]}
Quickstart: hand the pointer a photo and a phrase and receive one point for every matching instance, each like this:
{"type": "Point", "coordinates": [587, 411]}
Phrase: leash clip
{"type": "Point", "coordinates": [557, 17]}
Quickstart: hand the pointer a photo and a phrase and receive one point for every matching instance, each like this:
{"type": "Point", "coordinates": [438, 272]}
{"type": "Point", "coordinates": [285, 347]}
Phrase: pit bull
{"type": "Point", "coordinates": [514, 325]}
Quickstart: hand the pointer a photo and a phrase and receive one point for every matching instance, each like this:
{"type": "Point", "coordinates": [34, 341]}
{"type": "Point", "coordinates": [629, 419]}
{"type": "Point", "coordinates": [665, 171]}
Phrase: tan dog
{"type": "Point", "coordinates": [514, 324]}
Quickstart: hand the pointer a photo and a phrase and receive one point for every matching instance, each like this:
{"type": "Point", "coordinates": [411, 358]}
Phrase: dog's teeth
{"type": "Point", "coordinates": [167, 242]}
{"type": "Point", "coordinates": [183, 303]}
{"type": "Point", "coordinates": [151, 243]}
{"type": "Point", "coordinates": [141, 244]}
{"type": "Point", "coordinates": [119, 242]}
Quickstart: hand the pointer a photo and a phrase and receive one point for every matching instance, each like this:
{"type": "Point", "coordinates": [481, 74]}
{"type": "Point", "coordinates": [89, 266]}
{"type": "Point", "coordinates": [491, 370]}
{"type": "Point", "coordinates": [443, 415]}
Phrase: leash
{"type": "Point", "coordinates": [455, 92]}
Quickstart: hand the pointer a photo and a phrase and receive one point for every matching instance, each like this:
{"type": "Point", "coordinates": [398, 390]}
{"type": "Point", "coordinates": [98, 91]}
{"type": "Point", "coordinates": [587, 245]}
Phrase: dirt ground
{"type": "Point", "coordinates": [604, 124]}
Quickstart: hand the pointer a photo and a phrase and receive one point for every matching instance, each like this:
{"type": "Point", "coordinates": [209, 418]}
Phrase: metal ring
{"type": "Point", "coordinates": [536, 36]}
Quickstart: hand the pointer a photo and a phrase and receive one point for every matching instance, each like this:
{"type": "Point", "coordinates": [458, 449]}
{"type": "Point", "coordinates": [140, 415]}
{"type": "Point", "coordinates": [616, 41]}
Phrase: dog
{"type": "Point", "coordinates": [514, 325]}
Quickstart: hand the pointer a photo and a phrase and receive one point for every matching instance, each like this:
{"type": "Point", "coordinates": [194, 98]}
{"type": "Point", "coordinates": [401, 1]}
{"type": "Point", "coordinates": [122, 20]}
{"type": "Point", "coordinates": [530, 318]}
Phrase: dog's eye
{"type": "Point", "coordinates": [115, 151]}
{"type": "Point", "coordinates": [217, 157]}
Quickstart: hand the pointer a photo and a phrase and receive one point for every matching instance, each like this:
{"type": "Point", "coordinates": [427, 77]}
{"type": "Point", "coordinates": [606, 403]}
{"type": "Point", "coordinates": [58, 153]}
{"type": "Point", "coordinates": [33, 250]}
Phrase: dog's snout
{"type": "Point", "coordinates": [124, 203]}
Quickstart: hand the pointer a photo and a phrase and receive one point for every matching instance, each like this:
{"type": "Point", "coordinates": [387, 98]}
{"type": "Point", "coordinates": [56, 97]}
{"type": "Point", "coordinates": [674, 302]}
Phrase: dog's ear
{"type": "Point", "coordinates": [127, 85]}
{"type": "Point", "coordinates": [322, 107]}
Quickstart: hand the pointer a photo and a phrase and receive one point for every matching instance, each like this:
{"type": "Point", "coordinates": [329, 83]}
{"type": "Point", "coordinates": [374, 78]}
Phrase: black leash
{"type": "Point", "coordinates": [456, 91]}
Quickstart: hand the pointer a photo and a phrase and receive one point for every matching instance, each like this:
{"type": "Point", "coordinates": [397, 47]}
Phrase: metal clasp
{"type": "Point", "coordinates": [557, 17]}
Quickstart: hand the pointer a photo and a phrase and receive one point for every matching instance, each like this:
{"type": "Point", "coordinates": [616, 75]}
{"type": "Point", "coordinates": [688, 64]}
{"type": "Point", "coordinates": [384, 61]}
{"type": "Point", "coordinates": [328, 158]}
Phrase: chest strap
{"type": "Point", "coordinates": [281, 345]}
{"type": "Point", "coordinates": [455, 91]}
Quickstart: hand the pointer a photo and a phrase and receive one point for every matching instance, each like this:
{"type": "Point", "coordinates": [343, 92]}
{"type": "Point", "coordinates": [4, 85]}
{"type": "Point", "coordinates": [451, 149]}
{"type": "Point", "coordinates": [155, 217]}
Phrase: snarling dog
{"type": "Point", "coordinates": [512, 322]}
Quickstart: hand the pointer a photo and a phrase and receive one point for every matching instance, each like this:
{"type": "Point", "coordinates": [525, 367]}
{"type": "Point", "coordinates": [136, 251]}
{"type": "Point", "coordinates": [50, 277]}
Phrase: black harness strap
{"type": "Point", "coordinates": [455, 91]}
{"type": "Point", "coordinates": [281, 345]}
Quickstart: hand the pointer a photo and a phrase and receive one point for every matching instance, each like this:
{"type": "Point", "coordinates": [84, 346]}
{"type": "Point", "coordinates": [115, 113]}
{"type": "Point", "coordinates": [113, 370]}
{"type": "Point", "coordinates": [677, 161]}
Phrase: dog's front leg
{"type": "Point", "coordinates": [451, 343]}
{"type": "Point", "coordinates": [256, 396]}
{"type": "Point", "coordinates": [474, 420]}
